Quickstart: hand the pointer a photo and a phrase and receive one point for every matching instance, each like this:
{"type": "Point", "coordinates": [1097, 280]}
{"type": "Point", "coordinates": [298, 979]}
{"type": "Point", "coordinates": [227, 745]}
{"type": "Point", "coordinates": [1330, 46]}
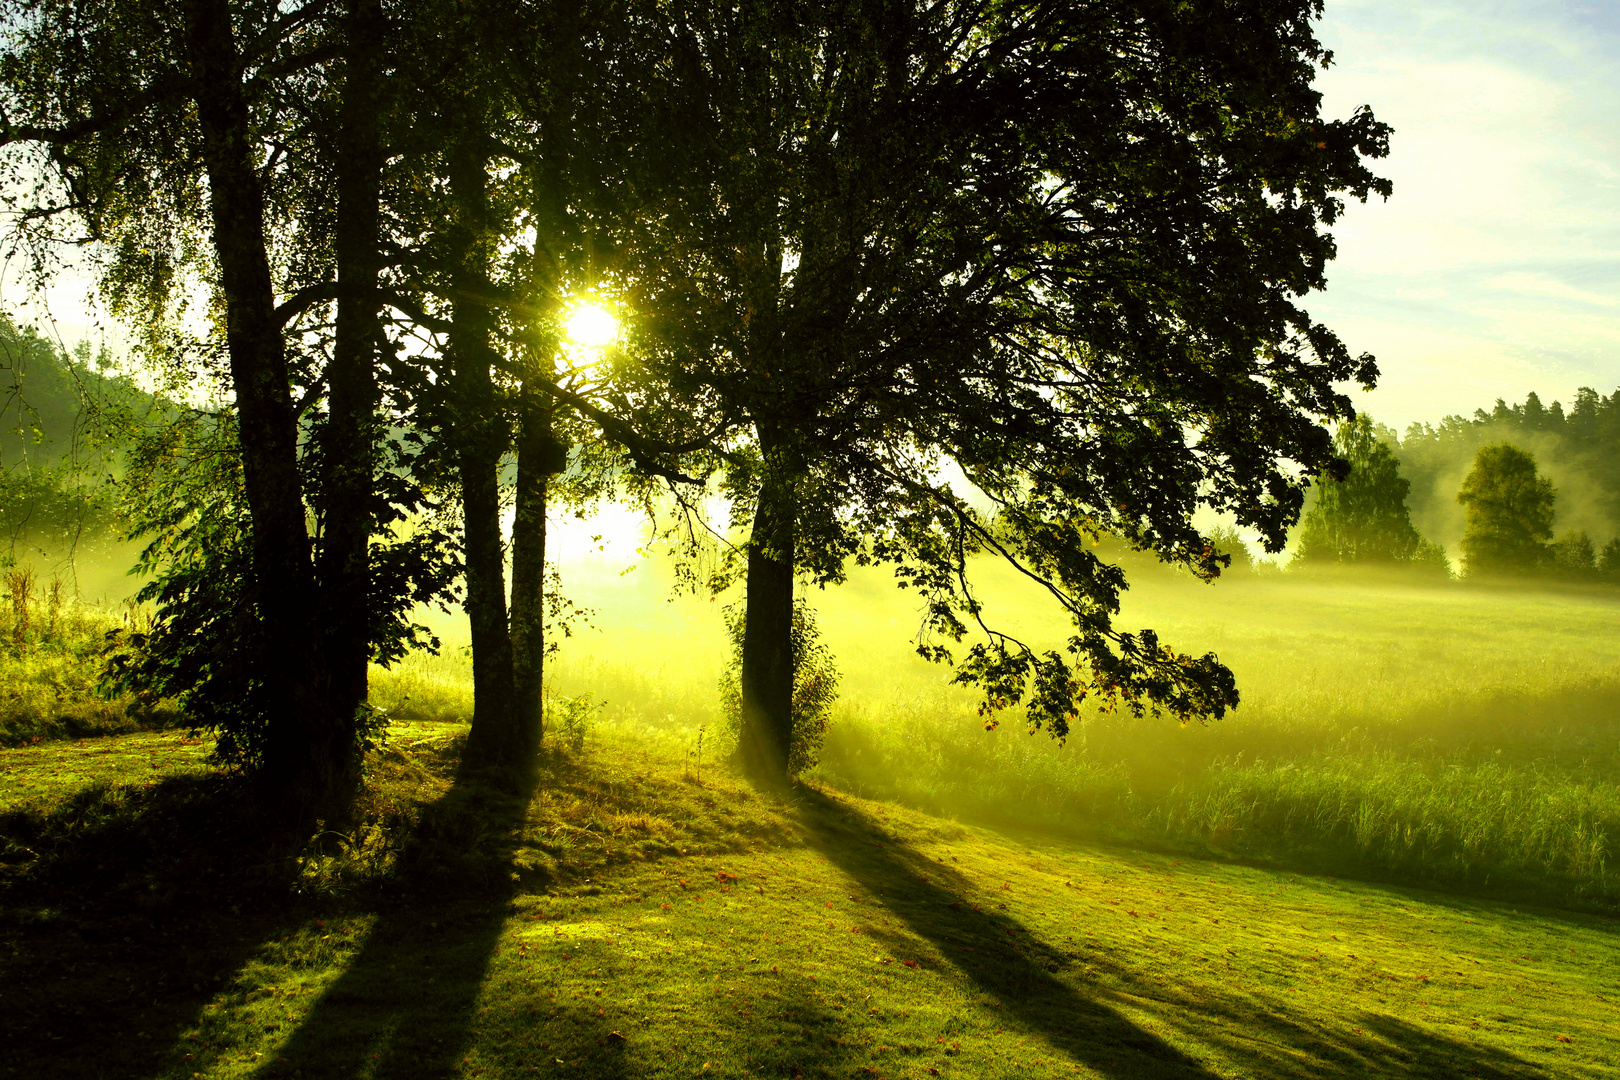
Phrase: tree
{"type": "Point", "coordinates": [1509, 510]}
{"type": "Point", "coordinates": [1608, 562]}
{"type": "Point", "coordinates": [240, 122]}
{"type": "Point", "coordinates": [1053, 245]}
{"type": "Point", "coordinates": [1363, 517]}
{"type": "Point", "coordinates": [1573, 556]}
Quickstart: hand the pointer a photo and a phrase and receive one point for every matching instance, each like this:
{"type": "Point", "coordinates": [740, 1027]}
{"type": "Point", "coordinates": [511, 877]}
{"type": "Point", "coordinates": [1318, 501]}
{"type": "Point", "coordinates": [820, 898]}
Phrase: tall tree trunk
{"type": "Point", "coordinates": [303, 742]}
{"type": "Point", "coordinates": [351, 428]}
{"type": "Point", "coordinates": [480, 439]}
{"type": "Point", "coordinates": [766, 679]}
{"type": "Point", "coordinates": [541, 455]}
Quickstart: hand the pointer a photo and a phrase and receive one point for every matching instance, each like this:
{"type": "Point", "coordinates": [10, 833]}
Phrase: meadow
{"type": "Point", "coordinates": [1391, 727]}
{"type": "Point", "coordinates": [1395, 859]}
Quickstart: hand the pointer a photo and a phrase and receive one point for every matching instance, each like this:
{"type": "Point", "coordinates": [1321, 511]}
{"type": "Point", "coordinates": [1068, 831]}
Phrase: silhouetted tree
{"type": "Point", "coordinates": [1055, 245]}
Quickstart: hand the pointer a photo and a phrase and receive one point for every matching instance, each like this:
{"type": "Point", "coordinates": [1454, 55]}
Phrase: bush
{"type": "Point", "coordinates": [815, 685]}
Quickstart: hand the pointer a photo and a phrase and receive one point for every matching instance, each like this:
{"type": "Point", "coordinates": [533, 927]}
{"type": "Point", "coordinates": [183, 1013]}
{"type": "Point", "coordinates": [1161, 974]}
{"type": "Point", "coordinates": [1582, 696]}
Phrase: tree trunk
{"type": "Point", "coordinates": [540, 456]}
{"type": "Point", "coordinates": [304, 742]}
{"type": "Point", "coordinates": [480, 439]}
{"type": "Point", "coordinates": [766, 679]}
{"type": "Point", "coordinates": [350, 431]}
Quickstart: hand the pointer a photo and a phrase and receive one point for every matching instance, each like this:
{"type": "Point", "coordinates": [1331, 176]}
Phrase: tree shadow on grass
{"type": "Point", "coordinates": [423, 996]}
{"type": "Point", "coordinates": [405, 1005]}
{"type": "Point", "coordinates": [123, 909]}
{"type": "Point", "coordinates": [1039, 986]}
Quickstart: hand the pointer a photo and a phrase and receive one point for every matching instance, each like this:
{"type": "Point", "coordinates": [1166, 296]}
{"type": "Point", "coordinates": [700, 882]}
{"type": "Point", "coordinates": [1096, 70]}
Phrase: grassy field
{"type": "Point", "coordinates": [637, 918]}
{"type": "Point", "coordinates": [1390, 728]}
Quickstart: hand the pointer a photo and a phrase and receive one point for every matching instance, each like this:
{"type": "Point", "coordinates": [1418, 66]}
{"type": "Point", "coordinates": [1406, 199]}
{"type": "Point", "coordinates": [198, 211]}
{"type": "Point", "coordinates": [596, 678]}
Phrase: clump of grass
{"type": "Point", "coordinates": [1453, 822]}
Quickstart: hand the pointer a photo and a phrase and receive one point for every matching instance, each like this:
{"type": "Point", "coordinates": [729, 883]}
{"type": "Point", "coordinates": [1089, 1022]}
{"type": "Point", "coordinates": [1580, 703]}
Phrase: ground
{"type": "Point", "coordinates": [639, 919]}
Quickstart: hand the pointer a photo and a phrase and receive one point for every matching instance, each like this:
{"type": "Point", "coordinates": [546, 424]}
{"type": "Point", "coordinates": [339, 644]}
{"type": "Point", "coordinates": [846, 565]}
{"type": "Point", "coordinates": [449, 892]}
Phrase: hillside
{"type": "Point", "coordinates": [639, 919]}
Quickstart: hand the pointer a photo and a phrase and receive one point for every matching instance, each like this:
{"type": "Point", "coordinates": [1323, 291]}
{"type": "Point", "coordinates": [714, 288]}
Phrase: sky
{"type": "Point", "coordinates": [1494, 270]}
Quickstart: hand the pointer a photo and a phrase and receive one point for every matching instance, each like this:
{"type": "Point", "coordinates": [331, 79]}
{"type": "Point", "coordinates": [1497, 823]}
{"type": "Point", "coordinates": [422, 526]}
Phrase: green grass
{"type": "Point", "coordinates": [1391, 728]}
{"type": "Point", "coordinates": [637, 918]}
{"type": "Point", "coordinates": [51, 652]}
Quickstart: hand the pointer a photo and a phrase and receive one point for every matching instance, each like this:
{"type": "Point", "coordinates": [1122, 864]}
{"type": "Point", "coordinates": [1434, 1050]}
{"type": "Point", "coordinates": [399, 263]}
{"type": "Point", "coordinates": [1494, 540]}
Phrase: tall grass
{"type": "Point", "coordinates": [1441, 734]}
{"type": "Point", "coordinates": [51, 649]}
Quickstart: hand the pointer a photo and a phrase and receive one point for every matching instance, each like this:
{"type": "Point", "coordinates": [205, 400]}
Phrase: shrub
{"type": "Point", "coordinates": [815, 685]}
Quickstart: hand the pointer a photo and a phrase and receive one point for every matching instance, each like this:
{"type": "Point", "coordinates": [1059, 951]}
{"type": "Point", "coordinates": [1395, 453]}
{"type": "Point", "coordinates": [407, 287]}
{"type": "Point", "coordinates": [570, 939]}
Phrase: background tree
{"type": "Point", "coordinates": [1361, 518]}
{"type": "Point", "coordinates": [1608, 562]}
{"type": "Point", "coordinates": [1573, 556]}
{"type": "Point", "coordinates": [1509, 509]}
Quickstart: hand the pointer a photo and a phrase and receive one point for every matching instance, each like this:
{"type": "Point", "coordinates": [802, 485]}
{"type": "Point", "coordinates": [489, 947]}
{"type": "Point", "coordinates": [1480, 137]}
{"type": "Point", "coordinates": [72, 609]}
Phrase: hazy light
{"type": "Point", "coordinates": [591, 325]}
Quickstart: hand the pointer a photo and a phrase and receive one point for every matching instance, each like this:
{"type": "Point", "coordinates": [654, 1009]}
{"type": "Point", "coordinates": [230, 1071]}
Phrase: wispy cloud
{"type": "Point", "coordinates": [1536, 285]}
{"type": "Point", "coordinates": [1495, 269]}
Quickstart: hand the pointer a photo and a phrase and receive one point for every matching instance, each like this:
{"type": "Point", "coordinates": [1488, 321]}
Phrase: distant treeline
{"type": "Point", "coordinates": [66, 415]}
{"type": "Point", "coordinates": [1578, 450]}
{"type": "Point", "coordinates": [1525, 490]}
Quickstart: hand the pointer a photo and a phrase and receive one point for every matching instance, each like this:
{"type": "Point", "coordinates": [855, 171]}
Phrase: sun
{"type": "Point", "coordinates": [591, 325]}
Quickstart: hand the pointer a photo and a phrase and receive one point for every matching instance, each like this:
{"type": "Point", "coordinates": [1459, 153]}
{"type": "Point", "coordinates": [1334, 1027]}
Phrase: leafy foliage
{"type": "Point", "coordinates": [815, 684]}
{"type": "Point", "coordinates": [1362, 516]}
{"type": "Point", "coordinates": [184, 496]}
{"type": "Point", "coordinates": [1573, 556]}
{"type": "Point", "coordinates": [1063, 259]}
{"type": "Point", "coordinates": [1510, 513]}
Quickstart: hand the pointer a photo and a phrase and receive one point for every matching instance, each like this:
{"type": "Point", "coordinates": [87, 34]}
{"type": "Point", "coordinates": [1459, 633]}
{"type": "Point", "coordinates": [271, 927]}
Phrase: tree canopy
{"type": "Point", "coordinates": [1510, 513]}
{"type": "Point", "coordinates": [1054, 250]}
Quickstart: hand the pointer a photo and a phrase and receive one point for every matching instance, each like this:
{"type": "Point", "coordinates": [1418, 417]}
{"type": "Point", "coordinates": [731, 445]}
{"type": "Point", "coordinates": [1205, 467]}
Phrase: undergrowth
{"type": "Point", "coordinates": [51, 654]}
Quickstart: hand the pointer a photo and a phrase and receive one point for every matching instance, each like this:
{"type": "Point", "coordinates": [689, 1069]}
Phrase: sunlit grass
{"type": "Point", "coordinates": [636, 919]}
{"type": "Point", "coordinates": [1442, 733]}
{"type": "Point", "coordinates": [51, 658]}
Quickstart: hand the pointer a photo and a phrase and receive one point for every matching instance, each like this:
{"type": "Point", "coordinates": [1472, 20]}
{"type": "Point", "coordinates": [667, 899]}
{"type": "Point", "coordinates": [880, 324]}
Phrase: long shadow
{"type": "Point", "coordinates": [1037, 984]}
{"type": "Point", "coordinates": [122, 911]}
{"type": "Point", "coordinates": [993, 950]}
{"type": "Point", "coordinates": [405, 1006]}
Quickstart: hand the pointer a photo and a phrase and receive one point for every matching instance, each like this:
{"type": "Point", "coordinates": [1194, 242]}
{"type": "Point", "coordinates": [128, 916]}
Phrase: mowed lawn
{"type": "Point", "coordinates": [634, 919]}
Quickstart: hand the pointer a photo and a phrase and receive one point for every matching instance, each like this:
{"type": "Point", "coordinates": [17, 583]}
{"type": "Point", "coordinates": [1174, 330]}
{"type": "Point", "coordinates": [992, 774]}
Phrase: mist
{"type": "Point", "coordinates": [1389, 724]}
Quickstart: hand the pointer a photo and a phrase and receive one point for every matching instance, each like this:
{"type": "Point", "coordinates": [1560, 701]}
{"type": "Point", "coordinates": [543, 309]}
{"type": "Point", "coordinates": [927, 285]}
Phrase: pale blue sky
{"type": "Point", "coordinates": [1495, 268]}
